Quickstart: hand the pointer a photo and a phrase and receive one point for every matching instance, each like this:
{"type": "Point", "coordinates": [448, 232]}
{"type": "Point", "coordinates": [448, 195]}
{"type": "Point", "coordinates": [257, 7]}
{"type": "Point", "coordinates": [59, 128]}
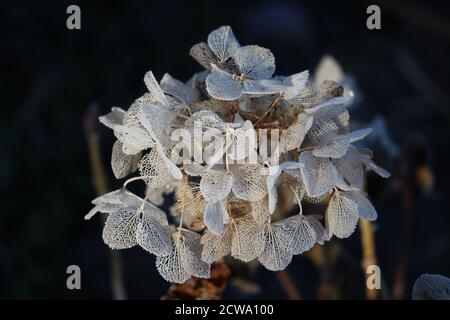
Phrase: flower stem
{"type": "Point", "coordinates": [272, 105]}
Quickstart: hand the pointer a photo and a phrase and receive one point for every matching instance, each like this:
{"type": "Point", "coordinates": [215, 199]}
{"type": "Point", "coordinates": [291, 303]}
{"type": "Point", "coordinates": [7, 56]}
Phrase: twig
{"type": "Point", "coordinates": [369, 253]}
{"type": "Point", "coordinates": [398, 288]}
{"type": "Point", "coordinates": [288, 285]}
{"type": "Point", "coordinates": [101, 187]}
{"type": "Point", "coordinates": [272, 105]}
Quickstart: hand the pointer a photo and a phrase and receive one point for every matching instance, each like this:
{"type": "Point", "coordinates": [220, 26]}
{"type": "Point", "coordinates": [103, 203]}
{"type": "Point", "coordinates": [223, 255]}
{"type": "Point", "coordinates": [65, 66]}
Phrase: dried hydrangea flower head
{"type": "Point", "coordinates": [247, 135]}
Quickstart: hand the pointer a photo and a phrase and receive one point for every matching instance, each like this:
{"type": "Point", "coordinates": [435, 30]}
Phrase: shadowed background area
{"type": "Point", "coordinates": [51, 75]}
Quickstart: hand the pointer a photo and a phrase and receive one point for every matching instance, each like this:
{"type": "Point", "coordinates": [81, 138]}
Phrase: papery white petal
{"type": "Point", "coordinates": [249, 182]}
{"type": "Point", "coordinates": [152, 235]}
{"type": "Point", "coordinates": [357, 135]}
{"type": "Point", "coordinates": [185, 259]}
{"type": "Point", "coordinates": [133, 139]}
{"type": "Point", "coordinates": [223, 43]}
{"type": "Point", "coordinates": [318, 174]}
{"type": "Point", "coordinates": [248, 240]}
{"type": "Point", "coordinates": [336, 148]}
{"type": "Point", "coordinates": [365, 208]}
{"type": "Point", "coordinates": [178, 89]}
{"type": "Point", "coordinates": [295, 85]}
{"type": "Point", "coordinates": [214, 216]}
{"type": "Point", "coordinates": [254, 62]}
{"type": "Point", "coordinates": [276, 256]}
{"type": "Point", "coordinates": [220, 85]}
{"type": "Point", "coordinates": [203, 54]}
{"type": "Point", "coordinates": [154, 169]}
{"type": "Point", "coordinates": [293, 136]}
{"type": "Point", "coordinates": [156, 93]}
{"type": "Point", "coordinates": [120, 227]}
{"type": "Point", "coordinates": [341, 216]}
{"type": "Point", "coordinates": [123, 164]}
{"type": "Point", "coordinates": [216, 185]}
{"type": "Point", "coordinates": [215, 246]}
{"type": "Point", "coordinates": [114, 118]}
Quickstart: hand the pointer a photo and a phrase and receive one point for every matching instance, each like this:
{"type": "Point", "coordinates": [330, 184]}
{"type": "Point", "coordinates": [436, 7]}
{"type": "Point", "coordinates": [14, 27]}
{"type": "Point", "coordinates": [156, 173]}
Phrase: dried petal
{"type": "Point", "coordinates": [318, 174]}
{"type": "Point", "coordinates": [215, 185]}
{"type": "Point", "coordinates": [254, 62]}
{"type": "Point", "coordinates": [341, 216]}
{"type": "Point", "coordinates": [223, 43]}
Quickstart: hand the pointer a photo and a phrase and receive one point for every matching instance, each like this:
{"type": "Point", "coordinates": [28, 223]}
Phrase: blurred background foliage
{"type": "Point", "coordinates": [50, 75]}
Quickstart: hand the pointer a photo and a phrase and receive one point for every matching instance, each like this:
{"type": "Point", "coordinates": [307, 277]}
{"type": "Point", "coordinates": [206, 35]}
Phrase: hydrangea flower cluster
{"type": "Point", "coordinates": [242, 201]}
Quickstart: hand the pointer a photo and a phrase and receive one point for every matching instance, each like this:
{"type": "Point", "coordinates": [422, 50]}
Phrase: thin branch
{"type": "Point", "coordinates": [288, 285]}
{"type": "Point", "coordinates": [266, 113]}
{"type": "Point", "coordinates": [101, 187]}
{"type": "Point", "coordinates": [369, 254]}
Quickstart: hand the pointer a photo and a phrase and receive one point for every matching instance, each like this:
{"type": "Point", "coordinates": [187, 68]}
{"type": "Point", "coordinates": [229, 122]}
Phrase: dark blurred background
{"type": "Point", "coordinates": [51, 75]}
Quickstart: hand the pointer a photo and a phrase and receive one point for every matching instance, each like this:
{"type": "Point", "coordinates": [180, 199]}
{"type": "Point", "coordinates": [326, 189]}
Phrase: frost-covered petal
{"type": "Point", "coordinates": [293, 136]}
{"type": "Point", "coordinates": [205, 119]}
{"type": "Point", "coordinates": [223, 43]}
{"type": "Point", "coordinates": [323, 130]}
{"type": "Point", "coordinates": [261, 87]}
{"type": "Point", "coordinates": [248, 239]}
{"type": "Point", "coordinates": [341, 216]}
{"type": "Point", "coordinates": [249, 182]}
{"type": "Point", "coordinates": [174, 171]}
{"type": "Point", "coordinates": [123, 164]}
{"type": "Point", "coordinates": [271, 187]}
{"type": "Point", "coordinates": [369, 164]}
{"type": "Point", "coordinates": [302, 232]}
{"type": "Point", "coordinates": [133, 139]}
{"type": "Point", "coordinates": [216, 246]}
{"type": "Point", "coordinates": [114, 200]}
{"type": "Point", "coordinates": [295, 85]}
{"type": "Point", "coordinates": [272, 199]}
{"type": "Point", "coordinates": [215, 185]}
{"type": "Point", "coordinates": [119, 231]}
{"type": "Point", "coordinates": [203, 54]}
{"type": "Point", "coordinates": [254, 62]}
{"type": "Point", "coordinates": [336, 148]}
{"type": "Point", "coordinates": [276, 255]}
{"type": "Point", "coordinates": [189, 199]}
{"type": "Point", "coordinates": [152, 235]}
{"type": "Point", "coordinates": [185, 259]}
{"type": "Point", "coordinates": [156, 93]}
{"type": "Point", "coordinates": [157, 120]}
{"type": "Point", "coordinates": [357, 135]}
{"type": "Point", "coordinates": [365, 208]}
{"type": "Point", "coordinates": [194, 169]}
{"type": "Point", "coordinates": [144, 117]}
{"type": "Point", "coordinates": [318, 174]}
{"type": "Point", "coordinates": [331, 103]}
{"type": "Point", "coordinates": [153, 168]}
{"type": "Point", "coordinates": [220, 85]}
{"type": "Point", "coordinates": [431, 287]}
{"type": "Point", "coordinates": [114, 118]}
{"type": "Point", "coordinates": [199, 268]}
{"type": "Point", "coordinates": [214, 216]}
{"type": "Point", "coordinates": [350, 171]}
{"type": "Point", "coordinates": [328, 69]}
{"type": "Point", "coordinates": [275, 172]}
{"type": "Point", "coordinates": [178, 89]}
